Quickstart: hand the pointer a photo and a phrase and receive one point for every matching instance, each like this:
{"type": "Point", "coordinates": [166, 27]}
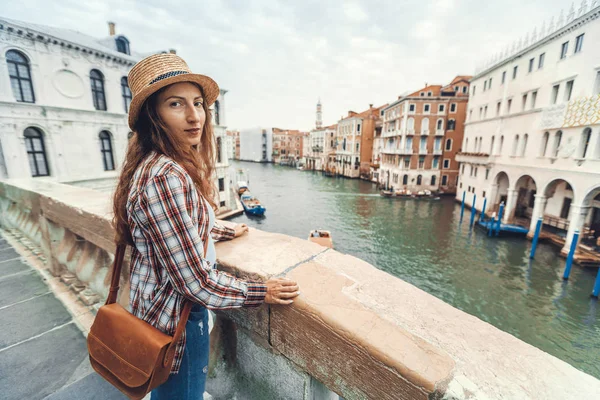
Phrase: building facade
{"type": "Point", "coordinates": [256, 144]}
{"type": "Point", "coordinates": [233, 144]}
{"type": "Point", "coordinates": [64, 100]}
{"type": "Point", "coordinates": [288, 146]}
{"type": "Point", "coordinates": [354, 150]}
{"type": "Point", "coordinates": [532, 137]}
{"type": "Point", "coordinates": [321, 143]}
{"type": "Point", "coordinates": [422, 132]}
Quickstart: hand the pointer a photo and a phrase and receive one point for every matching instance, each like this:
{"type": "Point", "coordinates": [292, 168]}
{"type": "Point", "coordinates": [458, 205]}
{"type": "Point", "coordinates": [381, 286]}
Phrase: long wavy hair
{"type": "Point", "coordinates": [151, 134]}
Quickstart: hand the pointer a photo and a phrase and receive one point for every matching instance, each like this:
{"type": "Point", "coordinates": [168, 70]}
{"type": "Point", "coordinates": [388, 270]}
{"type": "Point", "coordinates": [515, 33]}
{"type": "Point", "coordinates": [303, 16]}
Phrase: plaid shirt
{"type": "Point", "coordinates": [169, 225]}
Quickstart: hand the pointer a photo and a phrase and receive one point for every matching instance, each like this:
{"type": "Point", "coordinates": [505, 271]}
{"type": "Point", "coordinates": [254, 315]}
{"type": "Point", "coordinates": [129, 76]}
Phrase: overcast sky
{"type": "Point", "coordinates": [276, 57]}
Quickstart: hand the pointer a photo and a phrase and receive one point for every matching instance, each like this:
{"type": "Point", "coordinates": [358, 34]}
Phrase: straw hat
{"type": "Point", "coordinates": [159, 70]}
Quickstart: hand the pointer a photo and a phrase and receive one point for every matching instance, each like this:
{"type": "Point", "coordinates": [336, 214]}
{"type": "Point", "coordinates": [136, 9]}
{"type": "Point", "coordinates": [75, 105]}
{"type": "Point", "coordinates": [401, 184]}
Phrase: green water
{"type": "Point", "coordinates": [423, 243]}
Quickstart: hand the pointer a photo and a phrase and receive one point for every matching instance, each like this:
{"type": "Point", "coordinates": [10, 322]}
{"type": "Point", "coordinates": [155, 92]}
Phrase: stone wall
{"type": "Point", "coordinates": [361, 332]}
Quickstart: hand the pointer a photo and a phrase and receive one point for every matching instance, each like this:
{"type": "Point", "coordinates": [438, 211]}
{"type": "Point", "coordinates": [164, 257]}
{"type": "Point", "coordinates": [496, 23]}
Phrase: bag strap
{"type": "Point", "coordinates": [114, 290]}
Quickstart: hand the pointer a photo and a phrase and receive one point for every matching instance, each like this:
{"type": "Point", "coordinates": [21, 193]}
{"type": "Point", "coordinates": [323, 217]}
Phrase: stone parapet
{"type": "Point", "coordinates": [355, 329]}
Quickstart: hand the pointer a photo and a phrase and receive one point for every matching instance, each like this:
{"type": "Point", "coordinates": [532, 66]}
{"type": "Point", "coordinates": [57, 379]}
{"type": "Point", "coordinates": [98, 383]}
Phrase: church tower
{"type": "Point", "coordinates": [319, 115]}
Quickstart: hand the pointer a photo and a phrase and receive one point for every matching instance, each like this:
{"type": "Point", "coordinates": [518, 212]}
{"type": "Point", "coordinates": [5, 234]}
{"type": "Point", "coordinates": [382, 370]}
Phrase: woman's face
{"type": "Point", "coordinates": [180, 108]}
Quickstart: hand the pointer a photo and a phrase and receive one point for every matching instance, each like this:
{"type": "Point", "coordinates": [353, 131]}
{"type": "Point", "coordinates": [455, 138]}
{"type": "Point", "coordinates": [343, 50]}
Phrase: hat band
{"type": "Point", "coordinates": [167, 75]}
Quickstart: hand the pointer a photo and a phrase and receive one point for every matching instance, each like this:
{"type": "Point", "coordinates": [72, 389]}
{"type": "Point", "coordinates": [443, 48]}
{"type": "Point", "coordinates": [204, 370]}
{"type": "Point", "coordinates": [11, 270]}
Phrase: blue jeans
{"type": "Point", "coordinates": [189, 383]}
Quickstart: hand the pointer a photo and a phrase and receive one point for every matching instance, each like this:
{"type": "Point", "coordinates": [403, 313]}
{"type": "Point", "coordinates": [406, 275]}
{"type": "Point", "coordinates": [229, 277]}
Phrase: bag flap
{"type": "Point", "coordinates": [125, 345]}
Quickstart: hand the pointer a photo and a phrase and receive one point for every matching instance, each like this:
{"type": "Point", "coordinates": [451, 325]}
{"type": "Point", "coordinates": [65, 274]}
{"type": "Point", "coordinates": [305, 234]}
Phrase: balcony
{"type": "Point", "coordinates": [423, 150]}
{"type": "Point", "coordinates": [425, 132]}
{"type": "Point", "coordinates": [406, 151]}
{"type": "Point", "coordinates": [317, 149]}
{"type": "Point", "coordinates": [437, 152]}
{"type": "Point", "coordinates": [390, 133]}
{"type": "Point", "coordinates": [473, 158]}
{"type": "Point", "coordinates": [410, 132]}
{"type": "Point", "coordinates": [440, 132]}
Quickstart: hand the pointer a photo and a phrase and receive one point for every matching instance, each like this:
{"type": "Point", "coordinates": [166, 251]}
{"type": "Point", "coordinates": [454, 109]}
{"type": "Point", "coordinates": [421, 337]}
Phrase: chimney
{"type": "Point", "coordinates": [370, 106]}
{"type": "Point", "coordinates": [111, 28]}
{"type": "Point", "coordinates": [172, 51]}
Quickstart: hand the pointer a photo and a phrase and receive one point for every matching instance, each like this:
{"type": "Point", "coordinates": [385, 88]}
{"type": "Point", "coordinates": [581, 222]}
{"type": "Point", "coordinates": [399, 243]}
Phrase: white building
{"type": "Point", "coordinates": [321, 142]}
{"type": "Point", "coordinates": [256, 144]}
{"type": "Point", "coordinates": [63, 104]}
{"type": "Point", "coordinates": [222, 163]}
{"type": "Point", "coordinates": [532, 137]}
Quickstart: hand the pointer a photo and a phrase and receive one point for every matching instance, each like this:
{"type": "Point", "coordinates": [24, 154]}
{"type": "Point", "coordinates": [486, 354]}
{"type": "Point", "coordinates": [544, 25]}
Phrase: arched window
{"type": "Point", "coordinates": [425, 126]}
{"type": "Point", "coordinates": [126, 93]}
{"type": "Point", "coordinates": [501, 144]}
{"type": "Point", "coordinates": [419, 179]}
{"type": "Point", "coordinates": [410, 125]}
{"type": "Point", "coordinates": [405, 179]}
{"type": "Point", "coordinates": [122, 45]}
{"type": "Point", "coordinates": [219, 149]}
{"type": "Point", "coordinates": [451, 125]}
{"type": "Point", "coordinates": [97, 82]}
{"type": "Point", "coordinates": [36, 152]}
{"type": "Point", "coordinates": [492, 146]}
{"type": "Point", "coordinates": [515, 145]}
{"type": "Point", "coordinates": [20, 76]}
{"type": "Point", "coordinates": [544, 147]}
{"type": "Point", "coordinates": [440, 124]}
{"type": "Point", "coordinates": [106, 150]}
{"type": "Point", "coordinates": [448, 144]}
{"type": "Point", "coordinates": [557, 140]}
{"type": "Point", "coordinates": [217, 107]}
{"type": "Point", "coordinates": [524, 145]}
{"type": "Point", "coordinates": [432, 180]}
{"type": "Point", "coordinates": [585, 142]}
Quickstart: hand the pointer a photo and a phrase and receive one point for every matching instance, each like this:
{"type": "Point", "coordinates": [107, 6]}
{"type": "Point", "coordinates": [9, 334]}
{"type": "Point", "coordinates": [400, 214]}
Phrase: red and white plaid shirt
{"type": "Point", "coordinates": [170, 224]}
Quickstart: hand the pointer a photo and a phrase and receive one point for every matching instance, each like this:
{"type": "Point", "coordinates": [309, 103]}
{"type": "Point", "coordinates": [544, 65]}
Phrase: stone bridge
{"type": "Point", "coordinates": [355, 331]}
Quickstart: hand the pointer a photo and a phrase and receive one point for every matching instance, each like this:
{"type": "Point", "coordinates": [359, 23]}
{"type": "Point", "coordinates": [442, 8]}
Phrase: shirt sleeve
{"type": "Point", "coordinates": [175, 239]}
{"type": "Point", "coordinates": [220, 232]}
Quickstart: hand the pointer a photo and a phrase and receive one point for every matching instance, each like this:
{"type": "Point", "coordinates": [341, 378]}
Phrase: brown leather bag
{"type": "Point", "coordinates": [128, 352]}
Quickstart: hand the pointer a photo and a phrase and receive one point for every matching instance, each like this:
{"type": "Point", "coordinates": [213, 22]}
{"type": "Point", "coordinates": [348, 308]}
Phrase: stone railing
{"type": "Point", "coordinates": [355, 330]}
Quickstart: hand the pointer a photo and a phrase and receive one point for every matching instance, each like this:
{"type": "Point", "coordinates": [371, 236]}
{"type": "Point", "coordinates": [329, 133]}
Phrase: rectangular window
{"type": "Point", "coordinates": [407, 162]}
{"type": "Point", "coordinates": [357, 146]}
{"type": "Point", "coordinates": [426, 108]}
{"type": "Point", "coordinates": [358, 128]}
{"type": "Point", "coordinates": [554, 96]}
{"type": "Point", "coordinates": [480, 112]}
{"type": "Point", "coordinates": [446, 164]}
{"type": "Point", "coordinates": [441, 108]}
{"type": "Point", "coordinates": [411, 108]}
{"type": "Point", "coordinates": [421, 162]}
{"type": "Point", "coordinates": [483, 194]}
{"type": "Point", "coordinates": [498, 105]}
{"type": "Point", "coordinates": [462, 169]}
{"type": "Point", "coordinates": [487, 175]}
{"type": "Point", "coordinates": [485, 112]}
{"type": "Point", "coordinates": [221, 184]}
{"type": "Point", "coordinates": [474, 89]}
{"type": "Point", "coordinates": [222, 204]}
{"type": "Point", "coordinates": [436, 163]}
{"type": "Point", "coordinates": [444, 180]}
{"type": "Point", "coordinates": [578, 43]}
{"type": "Point", "coordinates": [531, 64]}
{"type": "Point", "coordinates": [508, 106]}
{"type": "Point", "coordinates": [524, 102]}
{"type": "Point", "coordinates": [563, 50]}
{"type": "Point", "coordinates": [422, 94]}
{"type": "Point", "coordinates": [490, 84]}
{"type": "Point", "coordinates": [533, 99]}
{"type": "Point", "coordinates": [569, 90]}
{"type": "Point", "coordinates": [484, 86]}
{"type": "Point", "coordinates": [470, 115]}
{"type": "Point", "coordinates": [464, 89]}
{"type": "Point", "coordinates": [541, 60]}
{"type": "Point", "coordinates": [503, 77]}
{"type": "Point", "coordinates": [515, 69]}
{"type": "Point", "coordinates": [453, 107]}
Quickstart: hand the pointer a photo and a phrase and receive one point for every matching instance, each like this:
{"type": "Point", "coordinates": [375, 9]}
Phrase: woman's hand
{"type": "Point", "coordinates": [281, 291]}
{"type": "Point", "coordinates": [240, 229]}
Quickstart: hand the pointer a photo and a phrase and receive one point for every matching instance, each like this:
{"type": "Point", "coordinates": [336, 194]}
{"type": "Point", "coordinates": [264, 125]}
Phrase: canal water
{"type": "Point", "coordinates": [423, 243]}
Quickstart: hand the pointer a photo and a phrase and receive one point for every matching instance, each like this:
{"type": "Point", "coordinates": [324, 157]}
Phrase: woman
{"type": "Point", "coordinates": [164, 208]}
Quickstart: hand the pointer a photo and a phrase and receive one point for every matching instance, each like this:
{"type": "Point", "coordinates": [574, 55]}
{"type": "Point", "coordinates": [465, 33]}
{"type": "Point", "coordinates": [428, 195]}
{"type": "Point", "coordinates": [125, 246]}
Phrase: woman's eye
{"type": "Point", "coordinates": [198, 104]}
{"type": "Point", "coordinates": [175, 103]}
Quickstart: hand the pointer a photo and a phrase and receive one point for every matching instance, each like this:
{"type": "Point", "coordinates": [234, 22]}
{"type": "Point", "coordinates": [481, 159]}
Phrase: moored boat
{"type": "Point", "coordinates": [251, 204]}
{"type": "Point", "coordinates": [321, 237]}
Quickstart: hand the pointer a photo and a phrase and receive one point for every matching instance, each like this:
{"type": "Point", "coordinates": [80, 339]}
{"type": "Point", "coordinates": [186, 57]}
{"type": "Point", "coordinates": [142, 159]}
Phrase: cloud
{"type": "Point", "coordinates": [277, 57]}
